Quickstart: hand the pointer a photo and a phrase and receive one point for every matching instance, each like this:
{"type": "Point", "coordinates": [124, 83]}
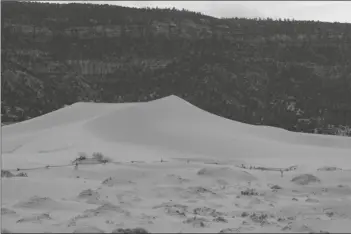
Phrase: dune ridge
{"type": "Point", "coordinates": [170, 115]}
{"type": "Point", "coordinates": [163, 114]}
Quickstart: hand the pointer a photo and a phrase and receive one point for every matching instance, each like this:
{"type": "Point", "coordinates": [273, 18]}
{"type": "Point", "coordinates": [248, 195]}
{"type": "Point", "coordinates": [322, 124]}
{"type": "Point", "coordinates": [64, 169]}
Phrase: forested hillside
{"type": "Point", "coordinates": [290, 74]}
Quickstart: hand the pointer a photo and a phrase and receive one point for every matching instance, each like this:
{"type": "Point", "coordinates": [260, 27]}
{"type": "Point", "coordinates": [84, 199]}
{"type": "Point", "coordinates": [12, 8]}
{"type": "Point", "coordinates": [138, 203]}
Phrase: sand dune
{"type": "Point", "coordinates": [74, 113]}
{"type": "Point", "coordinates": [172, 117]}
{"type": "Point", "coordinates": [174, 169]}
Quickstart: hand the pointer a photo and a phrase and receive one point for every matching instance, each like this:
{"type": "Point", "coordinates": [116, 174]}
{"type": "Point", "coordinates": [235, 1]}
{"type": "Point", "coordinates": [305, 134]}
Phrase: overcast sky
{"type": "Point", "coordinates": [331, 11]}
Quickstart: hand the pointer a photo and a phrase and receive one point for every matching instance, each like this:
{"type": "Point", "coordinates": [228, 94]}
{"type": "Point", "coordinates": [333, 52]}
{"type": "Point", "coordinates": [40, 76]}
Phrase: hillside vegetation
{"type": "Point", "coordinates": [290, 74]}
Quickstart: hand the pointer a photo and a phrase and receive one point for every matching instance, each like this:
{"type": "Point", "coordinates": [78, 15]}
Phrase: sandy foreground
{"type": "Point", "coordinates": [172, 168]}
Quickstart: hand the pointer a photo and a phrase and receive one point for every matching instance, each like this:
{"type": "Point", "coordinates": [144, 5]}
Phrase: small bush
{"type": "Point", "coordinates": [335, 130]}
{"type": "Point", "coordinates": [276, 187]}
{"type": "Point", "coordinates": [229, 230]}
{"type": "Point", "coordinates": [100, 157]}
{"type": "Point", "coordinates": [130, 230]}
{"type": "Point", "coordinates": [220, 220]}
{"type": "Point", "coordinates": [343, 131]}
{"type": "Point", "coordinates": [259, 217]}
{"type": "Point", "coordinates": [22, 174]}
{"type": "Point", "coordinates": [82, 156]}
{"type": "Point", "coordinates": [96, 158]}
{"type": "Point", "coordinates": [7, 174]}
{"type": "Point", "coordinates": [249, 192]}
{"type": "Point", "coordinates": [327, 168]}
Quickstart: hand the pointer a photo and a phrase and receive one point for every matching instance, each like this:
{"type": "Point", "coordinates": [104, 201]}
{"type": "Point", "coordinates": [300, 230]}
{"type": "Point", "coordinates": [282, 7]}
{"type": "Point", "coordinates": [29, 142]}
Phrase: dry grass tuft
{"type": "Point", "coordinates": [130, 230]}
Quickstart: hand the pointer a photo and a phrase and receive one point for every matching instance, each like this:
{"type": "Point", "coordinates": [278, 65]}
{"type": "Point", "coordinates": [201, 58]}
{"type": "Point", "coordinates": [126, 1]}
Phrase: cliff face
{"type": "Point", "coordinates": [290, 74]}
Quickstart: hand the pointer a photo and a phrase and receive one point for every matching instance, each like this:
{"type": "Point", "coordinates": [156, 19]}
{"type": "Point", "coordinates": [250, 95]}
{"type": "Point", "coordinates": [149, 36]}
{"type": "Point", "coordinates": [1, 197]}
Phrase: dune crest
{"type": "Point", "coordinates": [172, 122]}
{"type": "Point", "coordinates": [172, 116]}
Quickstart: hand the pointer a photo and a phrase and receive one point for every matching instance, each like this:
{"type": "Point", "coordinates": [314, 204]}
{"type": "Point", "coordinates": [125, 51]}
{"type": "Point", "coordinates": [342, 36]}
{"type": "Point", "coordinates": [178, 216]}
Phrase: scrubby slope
{"type": "Point", "coordinates": [289, 74]}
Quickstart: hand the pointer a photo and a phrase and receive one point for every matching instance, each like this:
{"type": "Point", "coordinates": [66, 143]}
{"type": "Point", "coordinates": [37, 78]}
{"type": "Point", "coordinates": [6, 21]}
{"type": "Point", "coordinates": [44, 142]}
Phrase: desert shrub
{"type": "Point", "coordinates": [220, 219]}
{"type": "Point", "coordinates": [335, 130]}
{"type": "Point", "coordinates": [229, 230]}
{"type": "Point", "coordinates": [107, 180]}
{"type": "Point", "coordinates": [343, 131]}
{"type": "Point", "coordinates": [7, 174]}
{"type": "Point", "coordinates": [249, 192]}
{"type": "Point", "coordinates": [22, 174]}
{"type": "Point", "coordinates": [328, 168]}
{"type": "Point", "coordinates": [276, 187]}
{"type": "Point", "coordinates": [259, 217]}
{"type": "Point", "coordinates": [82, 156]}
{"type": "Point", "coordinates": [130, 230]}
{"type": "Point", "coordinates": [97, 155]}
{"type": "Point", "coordinates": [87, 193]}
{"type": "Point", "coordinates": [100, 157]}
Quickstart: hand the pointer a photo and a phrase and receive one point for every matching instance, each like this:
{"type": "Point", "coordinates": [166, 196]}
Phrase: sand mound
{"type": "Point", "coordinates": [197, 222]}
{"type": "Point", "coordinates": [230, 230]}
{"type": "Point", "coordinates": [168, 120]}
{"type": "Point", "coordinates": [305, 179]}
{"type": "Point", "coordinates": [37, 202]}
{"type": "Point", "coordinates": [111, 181]}
{"type": "Point", "coordinates": [129, 197]}
{"type": "Point", "coordinates": [76, 112]}
{"type": "Point", "coordinates": [199, 192]}
{"type": "Point", "coordinates": [88, 230]}
{"type": "Point", "coordinates": [312, 200]}
{"type": "Point", "coordinates": [90, 196]}
{"type": "Point", "coordinates": [207, 211]}
{"type": "Point", "coordinates": [88, 193]}
{"type": "Point", "coordinates": [295, 227]}
{"type": "Point", "coordinates": [107, 208]}
{"type": "Point", "coordinates": [175, 179]}
{"type": "Point", "coordinates": [173, 209]}
{"type": "Point", "coordinates": [226, 172]}
{"type": "Point", "coordinates": [36, 218]}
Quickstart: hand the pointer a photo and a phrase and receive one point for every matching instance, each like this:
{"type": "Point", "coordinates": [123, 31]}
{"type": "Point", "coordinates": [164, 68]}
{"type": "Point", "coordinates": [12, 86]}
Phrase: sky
{"type": "Point", "coordinates": [329, 11]}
